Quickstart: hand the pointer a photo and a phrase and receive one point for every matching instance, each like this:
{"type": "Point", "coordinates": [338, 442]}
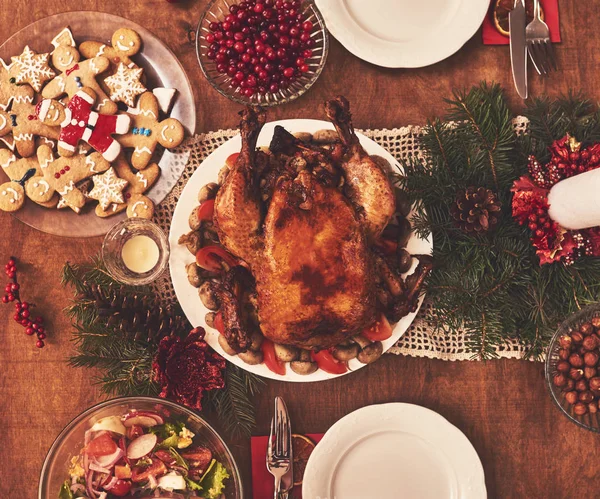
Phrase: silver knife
{"type": "Point", "coordinates": [287, 480]}
{"type": "Point", "coordinates": [518, 48]}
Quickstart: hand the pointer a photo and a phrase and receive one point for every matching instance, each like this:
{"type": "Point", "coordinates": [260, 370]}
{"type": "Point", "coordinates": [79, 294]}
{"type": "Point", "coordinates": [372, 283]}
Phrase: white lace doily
{"type": "Point", "coordinates": [421, 339]}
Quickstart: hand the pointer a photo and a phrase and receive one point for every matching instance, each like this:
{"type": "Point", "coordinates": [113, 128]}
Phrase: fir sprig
{"type": "Point", "coordinates": [490, 286]}
{"type": "Point", "coordinates": [124, 364]}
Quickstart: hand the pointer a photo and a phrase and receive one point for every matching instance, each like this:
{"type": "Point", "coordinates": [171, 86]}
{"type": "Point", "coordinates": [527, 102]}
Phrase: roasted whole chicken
{"type": "Point", "coordinates": [305, 221]}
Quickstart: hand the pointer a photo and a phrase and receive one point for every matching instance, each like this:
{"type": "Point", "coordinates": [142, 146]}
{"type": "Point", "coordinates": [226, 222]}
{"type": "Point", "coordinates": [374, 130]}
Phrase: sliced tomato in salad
{"type": "Point", "coordinates": [165, 456]}
{"type": "Point", "coordinates": [326, 361]}
{"type": "Point", "coordinates": [135, 431]}
{"type": "Point", "coordinates": [218, 322]}
{"type": "Point", "coordinates": [102, 445]}
{"type": "Point", "coordinates": [379, 331]}
{"type": "Point", "coordinates": [206, 210]}
{"type": "Point", "coordinates": [213, 257]}
{"type": "Point", "coordinates": [231, 159]}
{"type": "Point", "coordinates": [120, 488]}
{"type": "Point", "coordinates": [270, 359]}
{"type": "Point", "coordinates": [141, 473]}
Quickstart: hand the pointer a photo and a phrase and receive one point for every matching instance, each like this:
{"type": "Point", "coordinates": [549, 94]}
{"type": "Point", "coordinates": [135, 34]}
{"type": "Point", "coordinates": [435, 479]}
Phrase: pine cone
{"type": "Point", "coordinates": [140, 317]}
{"type": "Point", "coordinates": [476, 209]}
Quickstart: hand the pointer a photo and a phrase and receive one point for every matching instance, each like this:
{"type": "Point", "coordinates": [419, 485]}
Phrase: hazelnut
{"type": "Point", "coordinates": [559, 379]}
{"type": "Point", "coordinates": [586, 397]}
{"type": "Point", "coordinates": [589, 372]}
{"type": "Point", "coordinates": [580, 409]}
{"type": "Point", "coordinates": [563, 353]}
{"type": "Point", "coordinates": [575, 374]}
{"type": "Point", "coordinates": [565, 341]}
{"type": "Point", "coordinates": [581, 385]}
{"type": "Point", "coordinates": [594, 384]}
{"type": "Point", "coordinates": [577, 337]}
{"type": "Point", "coordinates": [576, 360]}
{"type": "Point", "coordinates": [596, 322]}
{"type": "Point", "coordinates": [590, 343]}
{"type": "Point", "coordinates": [590, 359]}
{"type": "Point", "coordinates": [586, 329]}
{"type": "Point", "coordinates": [563, 366]}
{"type": "Point", "coordinates": [571, 397]}
{"type": "Point", "coordinates": [570, 385]}
{"type": "Point", "coordinates": [593, 407]}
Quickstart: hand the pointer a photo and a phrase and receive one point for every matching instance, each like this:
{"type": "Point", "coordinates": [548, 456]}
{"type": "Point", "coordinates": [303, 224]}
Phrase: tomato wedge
{"type": "Point", "coordinates": [218, 322]}
{"type": "Point", "coordinates": [388, 246]}
{"type": "Point", "coordinates": [231, 159]}
{"type": "Point", "coordinates": [102, 445]}
{"type": "Point", "coordinates": [212, 257]}
{"type": "Point", "coordinates": [270, 359]}
{"type": "Point", "coordinates": [206, 210]}
{"type": "Point", "coordinates": [326, 361]}
{"type": "Point", "coordinates": [379, 331]}
{"type": "Point", "coordinates": [120, 488]}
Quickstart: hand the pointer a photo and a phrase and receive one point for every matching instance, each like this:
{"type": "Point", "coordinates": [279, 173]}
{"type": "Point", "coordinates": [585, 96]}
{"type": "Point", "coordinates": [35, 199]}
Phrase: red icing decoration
{"type": "Point", "coordinates": [81, 110]}
{"type": "Point", "coordinates": [116, 60]}
{"type": "Point", "coordinates": [31, 117]}
{"type": "Point", "coordinates": [62, 172]}
{"type": "Point", "coordinates": [74, 68]}
{"type": "Point", "coordinates": [57, 175]}
{"type": "Point", "coordinates": [67, 168]}
{"type": "Point", "coordinates": [128, 195]}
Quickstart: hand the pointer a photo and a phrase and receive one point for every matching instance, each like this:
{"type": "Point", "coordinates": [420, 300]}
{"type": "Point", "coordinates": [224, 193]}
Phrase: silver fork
{"type": "Point", "coordinates": [279, 455]}
{"type": "Point", "coordinates": [539, 46]}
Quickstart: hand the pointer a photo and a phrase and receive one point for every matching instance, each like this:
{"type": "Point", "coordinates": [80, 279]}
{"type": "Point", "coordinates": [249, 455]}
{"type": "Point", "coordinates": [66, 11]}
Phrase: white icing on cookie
{"type": "Point", "coordinates": [92, 164]}
{"type": "Point", "coordinates": [10, 160]}
{"type": "Point", "coordinates": [136, 204]}
{"type": "Point", "coordinates": [15, 194]}
{"type": "Point", "coordinates": [3, 121]}
{"type": "Point", "coordinates": [24, 136]}
{"type": "Point", "coordinates": [45, 187]}
{"type": "Point", "coordinates": [143, 180]}
{"type": "Point", "coordinates": [68, 188]}
{"type": "Point", "coordinates": [101, 50]}
{"type": "Point", "coordinates": [140, 150]}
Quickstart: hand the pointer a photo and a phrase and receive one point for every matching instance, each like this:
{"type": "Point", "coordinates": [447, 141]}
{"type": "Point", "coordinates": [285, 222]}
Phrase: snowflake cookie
{"type": "Point", "coordinates": [125, 84]}
{"type": "Point", "coordinates": [108, 188]}
{"type": "Point", "coordinates": [32, 68]}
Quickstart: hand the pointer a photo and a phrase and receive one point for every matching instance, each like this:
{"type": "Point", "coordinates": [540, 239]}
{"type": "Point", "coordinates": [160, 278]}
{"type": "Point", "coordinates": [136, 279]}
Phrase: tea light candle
{"type": "Point", "coordinates": [575, 203]}
{"type": "Point", "coordinates": [140, 254]}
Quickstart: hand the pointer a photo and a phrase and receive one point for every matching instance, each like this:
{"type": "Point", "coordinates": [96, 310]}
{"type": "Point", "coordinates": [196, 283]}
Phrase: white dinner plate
{"type": "Point", "coordinates": [394, 451]}
{"type": "Point", "coordinates": [403, 33]}
{"type": "Point", "coordinates": [180, 256]}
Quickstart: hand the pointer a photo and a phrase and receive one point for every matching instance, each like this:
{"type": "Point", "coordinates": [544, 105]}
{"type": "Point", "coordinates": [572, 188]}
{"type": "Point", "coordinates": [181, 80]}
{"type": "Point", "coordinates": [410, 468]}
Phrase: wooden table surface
{"type": "Point", "coordinates": [528, 449]}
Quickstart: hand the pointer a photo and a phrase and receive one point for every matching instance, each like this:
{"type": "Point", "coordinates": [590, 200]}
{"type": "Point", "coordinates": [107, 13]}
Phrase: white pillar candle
{"type": "Point", "coordinates": [575, 201]}
{"type": "Point", "coordinates": [140, 254]}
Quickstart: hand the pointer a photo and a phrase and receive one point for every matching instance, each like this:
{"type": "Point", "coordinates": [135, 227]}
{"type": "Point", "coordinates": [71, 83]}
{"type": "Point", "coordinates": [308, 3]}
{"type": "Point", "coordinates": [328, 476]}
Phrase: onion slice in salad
{"type": "Point", "coordinates": [142, 446]}
{"type": "Point", "coordinates": [100, 469]}
{"type": "Point", "coordinates": [110, 460]}
{"type": "Point", "coordinates": [111, 483]}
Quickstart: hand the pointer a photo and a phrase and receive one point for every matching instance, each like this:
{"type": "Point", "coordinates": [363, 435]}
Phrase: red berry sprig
{"type": "Point", "coordinates": [22, 308]}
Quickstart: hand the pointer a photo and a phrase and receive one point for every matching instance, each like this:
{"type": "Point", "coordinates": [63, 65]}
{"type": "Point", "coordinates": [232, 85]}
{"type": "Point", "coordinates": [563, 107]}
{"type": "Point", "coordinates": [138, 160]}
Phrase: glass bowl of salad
{"type": "Point", "coordinates": [138, 447]}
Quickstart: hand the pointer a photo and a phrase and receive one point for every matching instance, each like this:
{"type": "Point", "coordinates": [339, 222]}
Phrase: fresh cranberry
{"type": "Point", "coordinates": [214, 26]}
{"type": "Point", "coordinates": [288, 72]}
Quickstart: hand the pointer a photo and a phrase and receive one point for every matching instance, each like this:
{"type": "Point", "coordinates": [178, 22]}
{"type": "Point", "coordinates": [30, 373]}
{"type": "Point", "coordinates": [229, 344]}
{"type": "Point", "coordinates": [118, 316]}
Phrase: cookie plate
{"type": "Point", "coordinates": [187, 295]}
{"type": "Point", "coordinates": [162, 69]}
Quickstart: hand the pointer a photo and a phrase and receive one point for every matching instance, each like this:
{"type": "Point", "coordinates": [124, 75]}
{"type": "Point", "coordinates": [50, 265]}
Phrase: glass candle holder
{"type": "Point", "coordinates": [135, 251]}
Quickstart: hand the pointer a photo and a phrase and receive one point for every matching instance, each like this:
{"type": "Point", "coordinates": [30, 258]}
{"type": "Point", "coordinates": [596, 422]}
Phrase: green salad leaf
{"type": "Point", "coordinates": [193, 485]}
{"type": "Point", "coordinates": [213, 481]}
{"type": "Point", "coordinates": [65, 491]}
{"type": "Point", "coordinates": [171, 441]}
{"type": "Point", "coordinates": [168, 429]}
{"type": "Point", "coordinates": [178, 459]}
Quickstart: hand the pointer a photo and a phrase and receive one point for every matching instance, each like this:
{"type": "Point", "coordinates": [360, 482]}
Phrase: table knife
{"type": "Point", "coordinates": [518, 48]}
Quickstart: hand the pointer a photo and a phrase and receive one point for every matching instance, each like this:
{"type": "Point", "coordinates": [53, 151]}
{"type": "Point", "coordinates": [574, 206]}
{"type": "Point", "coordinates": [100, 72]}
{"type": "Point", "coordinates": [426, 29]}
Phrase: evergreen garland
{"type": "Point", "coordinates": [490, 285]}
{"type": "Point", "coordinates": [125, 360]}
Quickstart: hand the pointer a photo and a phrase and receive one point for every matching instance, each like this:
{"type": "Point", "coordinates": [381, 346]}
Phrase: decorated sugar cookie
{"type": "Point", "coordinates": [32, 68]}
{"type": "Point", "coordinates": [22, 121]}
{"type": "Point", "coordinates": [139, 183]}
{"type": "Point", "coordinates": [76, 74]}
{"type": "Point", "coordinates": [108, 188]}
{"type": "Point", "coordinates": [125, 84]}
{"type": "Point", "coordinates": [140, 206]}
{"type": "Point", "coordinates": [147, 131]}
{"type": "Point", "coordinates": [64, 173]}
{"type": "Point", "coordinates": [26, 174]}
{"type": "Point", "coordinates": [78, 122]}
{"type": "Point", "coordinates": [125, 43]}
{"type": "Point", "coordinates": [9, 90]}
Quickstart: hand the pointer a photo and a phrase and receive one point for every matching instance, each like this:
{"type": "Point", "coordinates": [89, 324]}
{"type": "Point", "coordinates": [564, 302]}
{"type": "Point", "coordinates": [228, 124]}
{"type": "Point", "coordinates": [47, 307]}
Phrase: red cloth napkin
{"type": "Point", "coordinates": [491, 36]}
{"type": "Point", "coordinates": [262, 480]}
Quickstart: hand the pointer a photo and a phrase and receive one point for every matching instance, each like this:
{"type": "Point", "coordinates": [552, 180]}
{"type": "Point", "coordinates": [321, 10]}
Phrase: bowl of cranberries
{"type": "Point", "coordinates": [573, 368]}
{"type": "Point", "coordinates": [262, 52]}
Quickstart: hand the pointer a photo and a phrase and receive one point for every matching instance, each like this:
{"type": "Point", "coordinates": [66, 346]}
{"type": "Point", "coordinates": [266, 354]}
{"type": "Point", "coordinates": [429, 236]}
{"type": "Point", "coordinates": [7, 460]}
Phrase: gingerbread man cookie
{"type": "Point", "coordinates": [140, 206]}
{"type": "Point", "coordinates": [78, 122]}
{"type": "Point", "coordinates": [63, 173]}
{"type": "Point", "coordinates": [22, 121]}
{"type": "Point", "coordinates": [147, 131]}
{"type": "Point", "coordinates": [139, 183]}
{"type": "Point", "coordinates": [76, 74]}
{"type": "Point", "coordinates": [125, 43]}
{"type": "Point", "coordinates": [32, 68]}
{"type": "Point", "coordinates": [26, 180]}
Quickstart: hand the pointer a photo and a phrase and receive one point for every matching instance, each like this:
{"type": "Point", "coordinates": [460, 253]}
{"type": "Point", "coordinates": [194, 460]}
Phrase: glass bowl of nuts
{"type": "Point", "coordinates": [572, 367]}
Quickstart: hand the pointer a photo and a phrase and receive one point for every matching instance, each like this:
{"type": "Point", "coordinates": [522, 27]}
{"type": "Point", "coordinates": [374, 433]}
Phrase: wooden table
{"type": "Point", "coordinates": [527, 447]}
